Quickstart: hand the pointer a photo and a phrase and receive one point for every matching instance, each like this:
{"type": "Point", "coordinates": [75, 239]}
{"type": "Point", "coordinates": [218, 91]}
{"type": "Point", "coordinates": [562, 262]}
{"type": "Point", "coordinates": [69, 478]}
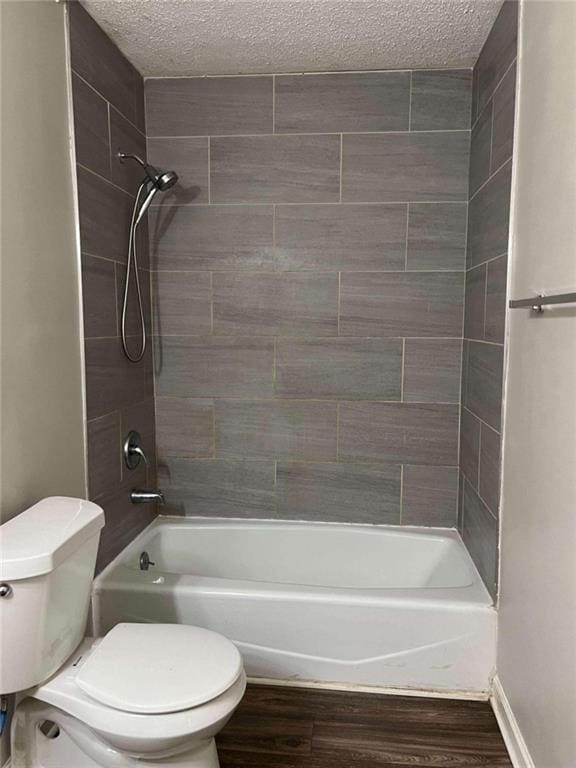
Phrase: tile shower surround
{"type": "Point", "coordinates": [108, 101]}
{"type": "Point", "coordinates": [308, 293]}
{"type": "Point", "coordinates": [485, 300]}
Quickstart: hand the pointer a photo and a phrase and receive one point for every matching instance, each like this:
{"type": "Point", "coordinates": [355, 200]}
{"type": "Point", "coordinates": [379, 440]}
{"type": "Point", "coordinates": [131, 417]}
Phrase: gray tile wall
{"type": "Point", "coordinates": [108, 97]}
{"type": "Point", "coordinates": [485, 299]}
{"type": "Point", "coordinates": [308, 294]}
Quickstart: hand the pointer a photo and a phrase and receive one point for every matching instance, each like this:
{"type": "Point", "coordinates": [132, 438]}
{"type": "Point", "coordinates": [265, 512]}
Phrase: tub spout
{"type": "Point", "coordinates": [139, 496]}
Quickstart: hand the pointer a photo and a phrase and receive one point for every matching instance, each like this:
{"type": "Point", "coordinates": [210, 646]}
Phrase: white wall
{"type": "Point", "coordinates": [537, 637]}
{"type": "Point", "coordinates": [41, 375]}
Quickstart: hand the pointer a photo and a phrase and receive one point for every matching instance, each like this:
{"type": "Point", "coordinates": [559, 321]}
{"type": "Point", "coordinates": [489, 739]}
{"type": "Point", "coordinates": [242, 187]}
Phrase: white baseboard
{"type": "Point", "coordinates": [511, 733]}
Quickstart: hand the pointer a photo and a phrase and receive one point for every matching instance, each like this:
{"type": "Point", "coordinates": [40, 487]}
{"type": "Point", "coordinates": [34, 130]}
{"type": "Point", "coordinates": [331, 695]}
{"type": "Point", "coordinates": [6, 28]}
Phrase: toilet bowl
{"type": "Point", "coordinates": [157, 693]}
{"type": "Point", "coordinates": [150, 695]}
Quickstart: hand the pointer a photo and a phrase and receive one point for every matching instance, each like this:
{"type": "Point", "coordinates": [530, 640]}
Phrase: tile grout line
{"type": "Point", "coordinates": [490, 178]}
{"type": "Point", "coordinates": [86, 82]}
{"type": "Point", "coordinates": [294, 134]}
{"type": "Point", "coordinates": [486, 261]}
{"type": "Point", "coordinates": [481, 420]}
{"type": "Point", "coordinates": [493, 92]}
{"type": "Point", "coordinates": [106, 181]}
{"type": "Point", "coordinates": [268, 204]}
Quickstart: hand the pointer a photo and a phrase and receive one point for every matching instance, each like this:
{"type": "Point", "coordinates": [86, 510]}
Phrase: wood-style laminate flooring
{"type": "Point", "coordinates": [284, 727]}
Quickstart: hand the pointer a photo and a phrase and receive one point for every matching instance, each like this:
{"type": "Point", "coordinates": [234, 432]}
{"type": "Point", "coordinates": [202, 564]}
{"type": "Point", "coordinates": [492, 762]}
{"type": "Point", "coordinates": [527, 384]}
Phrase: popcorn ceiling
{"type": "Point", "coordinates": [214, 37]}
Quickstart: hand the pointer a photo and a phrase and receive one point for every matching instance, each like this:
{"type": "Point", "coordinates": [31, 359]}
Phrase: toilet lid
{"type": "Point", "coordinates": [159, 668]}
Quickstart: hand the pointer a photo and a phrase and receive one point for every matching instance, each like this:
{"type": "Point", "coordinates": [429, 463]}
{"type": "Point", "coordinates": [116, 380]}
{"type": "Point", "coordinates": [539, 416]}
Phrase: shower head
{"type": "Point", "coordinates": [162, 180]}
{"type": "Point", "coordinates": [165, 180]}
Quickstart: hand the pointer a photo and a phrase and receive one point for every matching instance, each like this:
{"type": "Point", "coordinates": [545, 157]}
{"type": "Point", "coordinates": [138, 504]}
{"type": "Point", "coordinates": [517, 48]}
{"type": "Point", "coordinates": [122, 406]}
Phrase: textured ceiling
{"type": "Point", "coordinates": [214, 37]}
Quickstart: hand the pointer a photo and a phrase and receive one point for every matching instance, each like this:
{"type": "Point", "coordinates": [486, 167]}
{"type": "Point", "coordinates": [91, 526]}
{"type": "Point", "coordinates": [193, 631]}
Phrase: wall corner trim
{"type": "Point", "coordinates": [509, 727]}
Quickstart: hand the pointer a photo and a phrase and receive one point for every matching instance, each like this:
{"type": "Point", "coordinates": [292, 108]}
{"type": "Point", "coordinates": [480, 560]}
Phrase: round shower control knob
{"type": "Point", "coordinates": [5, 590]}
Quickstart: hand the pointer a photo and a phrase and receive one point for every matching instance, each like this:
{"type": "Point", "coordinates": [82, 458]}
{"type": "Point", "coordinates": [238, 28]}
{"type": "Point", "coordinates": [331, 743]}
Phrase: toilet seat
{"type": "Point", "coordinates": [63, 692]}
{"type": "Point", "coordinates": [159, 668]}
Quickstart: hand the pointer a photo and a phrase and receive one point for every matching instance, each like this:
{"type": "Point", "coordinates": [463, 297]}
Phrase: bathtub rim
{"type": "Point", "coordinates": [474, 596]}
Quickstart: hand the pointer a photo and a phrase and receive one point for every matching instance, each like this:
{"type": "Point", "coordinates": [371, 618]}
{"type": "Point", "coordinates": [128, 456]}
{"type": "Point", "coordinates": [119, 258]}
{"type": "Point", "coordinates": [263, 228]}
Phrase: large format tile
{"type": "Point", "coordinates": [480, 149]}
{"type": "Point", "coordinates": [212, 237]}
{"type": "Point", "coordinates": [489, 483]}
{"type": "Point", "coordinates": [480, 534]}
{"type": "Point", "coordinates": [484, 390]}
{"type": "Point", "coordinates": [124, 137]}
{"type": "Point", "coordinates": [499, 51]}
{"type": "Point", "coordinates": [184, 427]}
{"type": "Point", "coordinates": [503, 127]}
{"type": "Point", "coordinates": [399, 433]}
{"type": "Point", "coordinates": [496, 283]}
{"type": "Point", "coordinates": [347, 102]}
{"type": "Point", "coordinates": [105, 213]}
{"type": "Point", "coordinates": [441, 100]}
{"type": "Point", "coordinates": [345, 493]}
{"type": "Point", "coordinates": [268, 304]}
{"type": "Point", "coordinates": [112, 381]}
{"type": "Point", "coordinates": [469, 446]}
{"type": "Point", "coordinates": [95, 58]}
{"type": "Point", "coordinates": [401, 304]}
{"type": "Point", "coordinates": [202, 106]}
{"type": "Point", "coordinates": [276, 429]}
{"type": "Point", "coordinates": [90, 128]}
{"type": "Point", "coordinates": [189, 366]}
{"type": "Point", "coordinates": [429, 495]}
{"type": "Point", "coordinates": [99, 297]}
{"type": "Point", "coordinates": [488, 218]}
{"type": "Point", "coordinates": [340, 237]}
{"type": "Point", "coordinates": [218, 488]}
{"type": "Point", "coordinates": [432, 370]}
{"type": "Point", "coordinates": [104, 467]}
{"type": "Point", "coordinates": [182, 303]}
{"type": "Point", "coordinates": [399, 167]}
{"type": "Point", "coordinates": [275, 169]}
{"type": "Point", "coordinates": [189, 158]}
{"type": "Point", "coordinates": [332, 368]}
{"type": "Point", "coordinates": [436, 236]}
{"type": "Point", "coordinates": [475, 302]}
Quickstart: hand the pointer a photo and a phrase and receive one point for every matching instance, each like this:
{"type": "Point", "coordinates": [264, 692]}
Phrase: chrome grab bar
{"type": "Point", "coordinates": [537, 303]}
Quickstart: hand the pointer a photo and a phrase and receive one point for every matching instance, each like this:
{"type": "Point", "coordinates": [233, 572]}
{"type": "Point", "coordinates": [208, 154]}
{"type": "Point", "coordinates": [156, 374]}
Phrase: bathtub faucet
{"type": "Point", "coordinates": [139, 496]}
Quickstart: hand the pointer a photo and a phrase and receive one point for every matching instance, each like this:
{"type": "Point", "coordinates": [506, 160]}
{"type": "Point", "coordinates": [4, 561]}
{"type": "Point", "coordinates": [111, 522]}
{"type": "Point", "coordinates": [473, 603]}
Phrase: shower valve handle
{"type": "Point", "coordinates": [133, 451]}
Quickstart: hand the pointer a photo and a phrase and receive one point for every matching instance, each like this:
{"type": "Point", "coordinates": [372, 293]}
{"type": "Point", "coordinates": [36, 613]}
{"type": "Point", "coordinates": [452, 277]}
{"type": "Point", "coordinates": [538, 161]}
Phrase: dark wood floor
{"type": "Point", "coordinates": [280, 727]}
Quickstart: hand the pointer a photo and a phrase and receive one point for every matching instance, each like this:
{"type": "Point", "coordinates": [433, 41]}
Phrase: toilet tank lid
{"type": "Point", "coordinates": [39, 539]}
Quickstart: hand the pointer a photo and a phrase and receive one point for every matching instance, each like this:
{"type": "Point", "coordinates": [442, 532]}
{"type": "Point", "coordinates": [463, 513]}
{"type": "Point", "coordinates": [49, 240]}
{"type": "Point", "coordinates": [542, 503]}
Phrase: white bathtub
{"type": "Point", "coordinates": [365, 605]}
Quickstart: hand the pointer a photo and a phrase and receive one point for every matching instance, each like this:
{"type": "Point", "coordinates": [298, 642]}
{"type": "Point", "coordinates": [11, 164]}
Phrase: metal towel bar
{"type": "Point", "coordinates": [537, 303]}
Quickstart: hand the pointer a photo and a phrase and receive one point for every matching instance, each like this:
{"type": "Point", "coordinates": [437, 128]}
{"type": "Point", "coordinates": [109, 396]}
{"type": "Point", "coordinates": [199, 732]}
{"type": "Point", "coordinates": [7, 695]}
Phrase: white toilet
{"type": "Point", "coordinates": [144, 695]}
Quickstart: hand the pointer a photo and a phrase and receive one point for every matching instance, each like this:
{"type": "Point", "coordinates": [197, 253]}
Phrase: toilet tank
{"type": "Point", "coordinates": [47, 560]}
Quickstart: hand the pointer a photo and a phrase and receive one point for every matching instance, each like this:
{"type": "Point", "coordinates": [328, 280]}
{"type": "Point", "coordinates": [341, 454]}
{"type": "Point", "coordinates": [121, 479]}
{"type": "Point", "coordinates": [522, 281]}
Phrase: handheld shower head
{"type": "Point", "coordinates": [155, 181]}
{"type": "Point", "coordinates": [162, 180]}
